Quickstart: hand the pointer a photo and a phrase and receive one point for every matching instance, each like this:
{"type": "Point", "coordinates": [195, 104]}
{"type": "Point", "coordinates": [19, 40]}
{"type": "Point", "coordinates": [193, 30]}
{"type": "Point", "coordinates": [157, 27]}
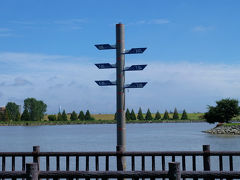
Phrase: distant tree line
{"type": "Point", "coordinates": [73, 116]}
{"type": "Point", "coordinates": [149, 117]}
{"type": "Point", "coordinates": [33, 111]}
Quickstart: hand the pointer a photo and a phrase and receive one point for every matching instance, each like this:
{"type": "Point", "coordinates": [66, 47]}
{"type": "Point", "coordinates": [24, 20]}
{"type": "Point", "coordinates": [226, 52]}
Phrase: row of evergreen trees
{"type": "Point", "coordinates": [132, 116]}
{"type": "Point", "coordinates": [73, 117]}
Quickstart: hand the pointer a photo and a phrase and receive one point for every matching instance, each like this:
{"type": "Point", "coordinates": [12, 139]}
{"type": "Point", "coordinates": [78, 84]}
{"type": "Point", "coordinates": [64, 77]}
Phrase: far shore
{"type": "Point", "coordinates": [41, 123]}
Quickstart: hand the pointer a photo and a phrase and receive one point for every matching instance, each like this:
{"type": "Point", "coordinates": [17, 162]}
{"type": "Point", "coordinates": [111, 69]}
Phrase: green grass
{"type": "Point", "coordinates": [38, 123]}
{"type": "Point", "coordinates": [109, 119]}
{"type": "Point", "coordinates": [231, 124]}
{"type": "Point", "coordinates": [99, 119]}
{"type": "Point", "coordinates": [191, 116]}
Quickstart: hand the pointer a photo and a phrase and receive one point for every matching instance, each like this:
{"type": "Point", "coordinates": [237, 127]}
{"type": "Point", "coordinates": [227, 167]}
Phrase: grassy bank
{"type": "Point", "coordinates": [231, 124]}
{"type": "Point", "coordinates": [191, 116]}
{"type": "Point", "coordinates": [110, 117]}
{"type": "Point", "coordinates": [101, 119]}
{"type": "Point", "coordinates": [39, 123]}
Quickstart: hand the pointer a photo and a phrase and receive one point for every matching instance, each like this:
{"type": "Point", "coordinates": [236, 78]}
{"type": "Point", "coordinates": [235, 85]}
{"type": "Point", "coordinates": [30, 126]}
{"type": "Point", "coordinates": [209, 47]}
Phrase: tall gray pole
{"type": "Point", "coordinates": [121, 125]}
{"type": "Point", "coordinates": [120, 83]}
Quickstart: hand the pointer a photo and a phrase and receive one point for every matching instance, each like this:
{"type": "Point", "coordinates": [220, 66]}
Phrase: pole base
{"type": "Point", "coordinates": [121, 162]}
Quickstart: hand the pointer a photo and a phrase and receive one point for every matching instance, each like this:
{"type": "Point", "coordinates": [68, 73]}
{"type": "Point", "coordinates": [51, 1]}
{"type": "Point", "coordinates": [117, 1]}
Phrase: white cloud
{"type": "Point", "coordinates": [69, 82]}
{"type": "Point", "coordinates": [203, 28]}
{"type": "Point", "coordinates": [73, 24]}
{"type": "Point", "coordinates": [65, 24]}
{"type": "Point", "coordinates": [70, 21]}
{"type": "Point", "coordinates": [18, 81]}
{"type": "Point", "coordinates": [21, 22]}
{"type": "Point", "coordinates": [5, 32]}
{"type": "Point", "coordinates": [153, 21]}
{"type": "Point", "coordinates": [159, 21]}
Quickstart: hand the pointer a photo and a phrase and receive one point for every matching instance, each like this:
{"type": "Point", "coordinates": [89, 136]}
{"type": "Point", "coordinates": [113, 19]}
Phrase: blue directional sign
{"type": "Point", "coordinates": [135, 51]}
{"type": "Point", "coordinates": [105, 65]}
{"type": "Point", "coordinates": [135, 67]}
{"type": "Point", "coordinates": [105, 46]}
{"type": "Point", "coordinates": [136, 85]}
{"type": "Point", "coordinates": [105, 83]}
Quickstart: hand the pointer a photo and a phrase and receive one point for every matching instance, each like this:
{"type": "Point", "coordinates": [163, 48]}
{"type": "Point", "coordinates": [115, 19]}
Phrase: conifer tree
{"type": "Point", "coordinates": [59, 117]}
{"type": "Point", "coordinates": [133, 116]}
{"type": "Point", "coordinates": [157, 116]}
{"type": "Point", "coordinates": [184, 115]}
{"type": "Point", "coordinates": [88, 116]}
{"type": "Point", "coordinates": [140, 115]}
{"type": "Point", "coordinates": [73, 116]}
{"type": "Point", "coordinates": [148, 115]}
{"type": "Point", "coordinates": [165, 116]}
{"type": "Point", "coordinates": [64, 116]}
{"type": "Point", "coordinates": [175, 114]}
{"type": "Point", "coordinates": [81, 116]}
{"type": "Point", "coordinates": [25, 116]}
{"type": "Point", "coordinates": [128, 115]}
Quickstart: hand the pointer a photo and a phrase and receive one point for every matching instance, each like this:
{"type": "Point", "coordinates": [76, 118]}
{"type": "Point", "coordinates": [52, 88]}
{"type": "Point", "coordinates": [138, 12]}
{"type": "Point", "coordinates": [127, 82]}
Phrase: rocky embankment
{"type": "Point", "coordinates": [231, 130]}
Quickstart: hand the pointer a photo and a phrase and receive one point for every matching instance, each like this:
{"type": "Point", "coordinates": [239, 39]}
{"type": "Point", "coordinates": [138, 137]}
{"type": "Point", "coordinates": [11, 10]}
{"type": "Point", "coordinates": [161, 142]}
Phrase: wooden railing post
{"type": "Point", "coordinates": [3, 164]}
{"type": "Point", "coordinates": [32, 171]}
{"type": "Point", "coordinates": [36, 159]}
{"type": "Point", "coordinates": [174, 172]}
{"type": "Point", "coordinates": [206, 158]}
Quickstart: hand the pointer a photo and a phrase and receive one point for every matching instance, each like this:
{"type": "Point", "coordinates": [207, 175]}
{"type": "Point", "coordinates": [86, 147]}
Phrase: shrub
{"type": "Point", "coordinates": [52, 117]}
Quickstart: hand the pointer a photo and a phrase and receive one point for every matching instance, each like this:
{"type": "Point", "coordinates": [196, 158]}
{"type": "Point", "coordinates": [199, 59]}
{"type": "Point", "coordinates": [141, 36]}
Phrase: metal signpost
{"type": "Point", "coordinates": [120, 83]}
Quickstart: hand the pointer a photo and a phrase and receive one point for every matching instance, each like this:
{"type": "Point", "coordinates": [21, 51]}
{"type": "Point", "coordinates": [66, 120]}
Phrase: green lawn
{"type": "Point", "coordinates": [191, 116]}
{"type": "Point", "coordinates": [231, 124]}
{"type": "Point", "coordinates": [109, 118]}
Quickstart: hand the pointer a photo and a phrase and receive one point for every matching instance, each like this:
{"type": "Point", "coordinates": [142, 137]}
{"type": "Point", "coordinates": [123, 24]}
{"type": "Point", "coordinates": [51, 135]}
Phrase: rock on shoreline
{"type": "Point", "coordinates": [231, 130]}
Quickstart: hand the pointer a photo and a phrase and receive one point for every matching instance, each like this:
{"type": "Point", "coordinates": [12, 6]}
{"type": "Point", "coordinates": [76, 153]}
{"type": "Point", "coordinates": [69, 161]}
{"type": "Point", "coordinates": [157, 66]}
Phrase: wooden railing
{"type": "Point", "coordinates": [194, 164]}
{"type": "Point", "coordinates": [174, 173]}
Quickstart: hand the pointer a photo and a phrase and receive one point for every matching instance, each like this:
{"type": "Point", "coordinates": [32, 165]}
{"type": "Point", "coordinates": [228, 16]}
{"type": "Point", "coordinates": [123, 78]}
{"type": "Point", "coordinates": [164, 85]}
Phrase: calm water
{"type": "Point", "coordinates": [102, 137]}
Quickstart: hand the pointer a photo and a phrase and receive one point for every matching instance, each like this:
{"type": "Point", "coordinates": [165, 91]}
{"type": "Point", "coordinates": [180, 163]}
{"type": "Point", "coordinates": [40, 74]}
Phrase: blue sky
{"type": "Point", "coordinates": [47, 52]}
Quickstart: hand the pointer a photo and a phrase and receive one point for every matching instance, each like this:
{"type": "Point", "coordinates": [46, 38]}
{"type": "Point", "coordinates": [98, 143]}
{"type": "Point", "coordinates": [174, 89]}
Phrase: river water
{"type": "Point", "coordinates": [102, 137]}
